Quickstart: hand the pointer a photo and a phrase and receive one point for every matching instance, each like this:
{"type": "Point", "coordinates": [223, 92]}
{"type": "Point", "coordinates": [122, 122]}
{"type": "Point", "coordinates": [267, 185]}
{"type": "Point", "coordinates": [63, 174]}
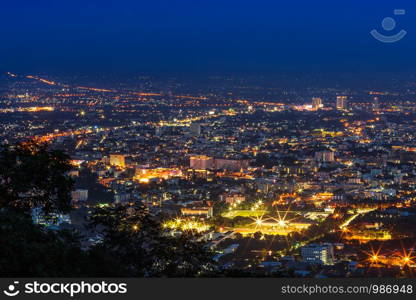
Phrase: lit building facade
{"type": "Point", "coordinates": [118, 160]}
{"type": "Point", "coordinates": [317, 103]}
{"type": "Point", "coordinates": [201, 162]}
{"type": "Point", "coordinates": [318, 254]}
{"type": "Point", "coordinates": [342, 103]}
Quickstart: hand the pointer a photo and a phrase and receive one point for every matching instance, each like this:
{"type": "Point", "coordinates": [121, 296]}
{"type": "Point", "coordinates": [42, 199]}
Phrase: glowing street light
{"type": "Point", "coordinates": [373, 255]}
{"type": "Point", "coordinates": [282, 223]}
{"type": "Point", "coordinates": [407, 257]}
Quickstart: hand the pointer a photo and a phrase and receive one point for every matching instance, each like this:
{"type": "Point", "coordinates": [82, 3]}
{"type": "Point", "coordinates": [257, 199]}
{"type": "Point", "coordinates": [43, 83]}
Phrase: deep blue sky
{"type": "Point", "coordinates": [204, 36]}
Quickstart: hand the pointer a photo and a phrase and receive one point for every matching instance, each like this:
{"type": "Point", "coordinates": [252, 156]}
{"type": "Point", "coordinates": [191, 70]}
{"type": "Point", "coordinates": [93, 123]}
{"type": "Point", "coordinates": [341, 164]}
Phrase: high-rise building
{"type": "Point", "coordinates": [317, 103]}
{"type": "Point", "coordinates": [318, 254]}
{"type": "Point", "coordinates": [118, 160]}
{"type": "Point", "coordinates": [195, 129]}
{"type": "Point", "coordinates": [158, 131]}
{"type": "Point", "coordinates": [376, 104]}
{"type": "Point", "coordinates": [342, 103]}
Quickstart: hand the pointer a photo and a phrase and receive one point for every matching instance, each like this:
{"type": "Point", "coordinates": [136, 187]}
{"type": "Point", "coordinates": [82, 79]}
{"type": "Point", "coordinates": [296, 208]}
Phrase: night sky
{"type": "Point", "coordinates": [198, 37]}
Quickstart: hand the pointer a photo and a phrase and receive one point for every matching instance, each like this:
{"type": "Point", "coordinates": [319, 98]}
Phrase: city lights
{"type": "Point", "coordinates": [173, 140]}
{"type": "Point", "coordinates": [186, 225]}
{"type": "Point", "coordinates": [321, 186]}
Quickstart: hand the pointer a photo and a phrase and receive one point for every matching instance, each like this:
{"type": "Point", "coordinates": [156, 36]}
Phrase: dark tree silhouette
{"type": "Point", "coordinates": [138, 242]}
{"type": "Point", "coordinates": [27, 250]}
{"type": "Point", "coordinates": [134, 243]}
{"type": "Point", "coordinates": [32, 175]}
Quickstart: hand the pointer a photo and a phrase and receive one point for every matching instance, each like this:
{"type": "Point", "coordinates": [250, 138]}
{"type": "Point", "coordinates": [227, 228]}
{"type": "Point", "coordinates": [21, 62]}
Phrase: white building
{"type": "Point", "coordinates": [318, 254]}
{"type": "Point", "coordinates": [79, 195]}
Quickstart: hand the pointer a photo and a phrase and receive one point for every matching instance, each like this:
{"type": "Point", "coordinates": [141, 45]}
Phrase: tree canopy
{"type": "Point", "coordinates": [31, 175]}
{"type": "Point", "coordinates": [134, 242]}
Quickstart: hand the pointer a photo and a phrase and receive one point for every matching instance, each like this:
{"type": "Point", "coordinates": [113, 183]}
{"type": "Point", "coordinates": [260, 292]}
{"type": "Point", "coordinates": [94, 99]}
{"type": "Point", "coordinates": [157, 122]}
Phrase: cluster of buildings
{"type": "Point", "coordinates": [227, 161]}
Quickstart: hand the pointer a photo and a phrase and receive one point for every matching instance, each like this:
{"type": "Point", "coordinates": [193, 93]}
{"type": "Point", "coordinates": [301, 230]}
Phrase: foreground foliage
{"type": "Point", "coordinates": [134, 243]}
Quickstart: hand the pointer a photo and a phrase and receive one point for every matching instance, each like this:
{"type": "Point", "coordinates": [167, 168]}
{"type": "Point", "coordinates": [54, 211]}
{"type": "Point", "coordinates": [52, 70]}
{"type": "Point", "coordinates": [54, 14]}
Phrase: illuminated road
{"type": "Point", "coordinates": [352, 218]}
{"type": "Point", "coordinates": [348, 221]}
